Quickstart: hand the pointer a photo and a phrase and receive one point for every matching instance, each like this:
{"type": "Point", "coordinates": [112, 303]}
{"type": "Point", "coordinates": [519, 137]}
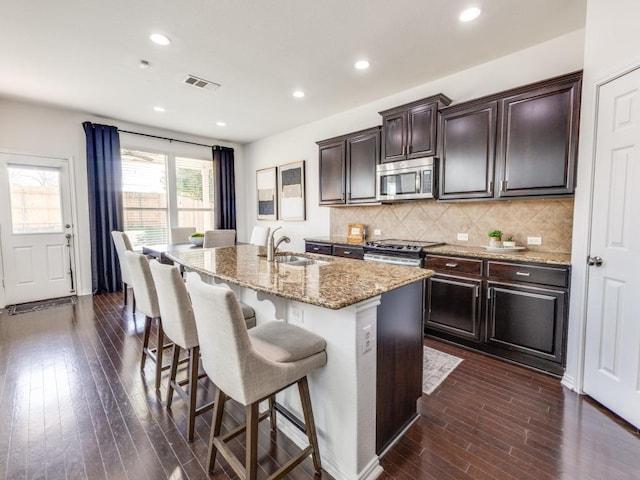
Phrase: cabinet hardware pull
{"type": "Point", "coordinates": [488, 293]}
{"type": "Point", "coordinates": [491, 186]}
{"type": "Point", "coordinates": [451, 265]}
{"type": "Point", "coordinates": [316, 248]}
{"type": "Point", "coordinates": [504, 186]}
{"type": "Point", "coordinates": [477, 291]}
{"type": "Point", "coordinates": [524, 274]}
{"type": "Point", "coordinates": [404, 149]}
{"type": "Point", "coordinates": [409, 149]}
{"type": "Point", "coordinates": [347, 252]}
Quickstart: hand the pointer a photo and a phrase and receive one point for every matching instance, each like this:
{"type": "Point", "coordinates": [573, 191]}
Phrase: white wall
{"type": "Point", "coordinates": [43, 130]}
{"type": "Point", "coordinates": [611, 47]}
{"type": "Point", "coordinates": [555, 57]}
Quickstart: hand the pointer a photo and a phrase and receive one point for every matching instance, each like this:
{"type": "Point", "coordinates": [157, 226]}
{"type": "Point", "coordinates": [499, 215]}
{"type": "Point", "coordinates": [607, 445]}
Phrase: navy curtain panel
{"type": "Point", "coordinates": [225, 187]}
{"type": "Point", "coordinates": [104, 177]}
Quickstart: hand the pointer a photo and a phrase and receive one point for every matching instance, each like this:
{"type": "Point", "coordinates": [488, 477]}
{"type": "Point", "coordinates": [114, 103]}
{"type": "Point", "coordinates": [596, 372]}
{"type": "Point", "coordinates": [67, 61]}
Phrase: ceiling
{"type": "Point", "coordinates": [85, 55]}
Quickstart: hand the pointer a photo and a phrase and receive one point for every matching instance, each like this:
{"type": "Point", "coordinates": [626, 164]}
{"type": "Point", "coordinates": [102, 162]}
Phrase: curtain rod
{"type": "Point", "coordinates": [170, 139]}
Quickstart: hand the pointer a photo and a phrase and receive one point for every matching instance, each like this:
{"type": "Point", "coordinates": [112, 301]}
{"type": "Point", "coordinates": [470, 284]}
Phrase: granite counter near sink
{"type": "Point", "coordinates": [339, 283]}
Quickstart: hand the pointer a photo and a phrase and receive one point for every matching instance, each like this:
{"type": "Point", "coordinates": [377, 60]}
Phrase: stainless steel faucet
{"type": "Point", "coordinates": [273, 246]}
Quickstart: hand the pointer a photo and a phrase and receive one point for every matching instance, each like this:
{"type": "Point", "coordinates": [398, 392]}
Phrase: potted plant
{"type": "Point", "coordinates": [509, 242]}
{"type": "Point", "coordinates": [197, 239]}
{"type": "Point", "coordinates": [495, 238]}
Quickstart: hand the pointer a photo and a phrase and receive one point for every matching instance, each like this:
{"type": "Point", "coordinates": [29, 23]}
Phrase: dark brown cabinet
{"type": "Point", "coordinates": [410, 131]}
{"type": "Point", "coordinates": [318, 247]}
{"type": "Point", "coordinates": [519, 143]}
{"type": "Point", "coordinates": [355, 251]}
{"type": "Point", "coordinates": [515, 311]}
{"type": "Point", "coordinates": [347, 168]}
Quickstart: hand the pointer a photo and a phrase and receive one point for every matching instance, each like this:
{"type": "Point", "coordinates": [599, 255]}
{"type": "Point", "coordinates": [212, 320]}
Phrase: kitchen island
{"type": "Point", "coordinates": [371, 317]}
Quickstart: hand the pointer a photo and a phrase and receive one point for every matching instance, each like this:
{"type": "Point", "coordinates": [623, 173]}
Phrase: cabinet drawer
{"type": "Point", "coordinates": [454, 265]}
{"type": "Point", "coordinates": [348, 252]}
{"type": "Point", "coordinates": [556, 276]}
{"type": "Point", "coordinates": [314, 247]}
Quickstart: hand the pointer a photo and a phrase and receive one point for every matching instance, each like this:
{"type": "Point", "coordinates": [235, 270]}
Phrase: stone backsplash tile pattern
{"type": "Point", "coordinates": [430, 220]}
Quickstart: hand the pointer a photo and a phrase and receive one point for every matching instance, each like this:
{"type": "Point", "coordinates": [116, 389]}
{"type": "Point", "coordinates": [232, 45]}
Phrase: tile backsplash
{"type": "Point", "coordinates": [552, 220]}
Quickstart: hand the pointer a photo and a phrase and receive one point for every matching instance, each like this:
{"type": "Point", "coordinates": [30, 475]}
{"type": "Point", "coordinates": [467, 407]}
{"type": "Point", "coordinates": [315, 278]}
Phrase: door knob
{"type": "Point", "coordinates": [597, 261]}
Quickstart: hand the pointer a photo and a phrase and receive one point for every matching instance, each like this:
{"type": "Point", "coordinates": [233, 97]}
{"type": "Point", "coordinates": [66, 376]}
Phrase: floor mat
{"type": "Point", "coordinates": [41, 305]}
{"type": "Point", "coordinates": [436, 367]}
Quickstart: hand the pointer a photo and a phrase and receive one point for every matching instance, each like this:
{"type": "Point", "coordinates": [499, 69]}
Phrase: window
{"type": "Point", "coordinates": [162, 190]}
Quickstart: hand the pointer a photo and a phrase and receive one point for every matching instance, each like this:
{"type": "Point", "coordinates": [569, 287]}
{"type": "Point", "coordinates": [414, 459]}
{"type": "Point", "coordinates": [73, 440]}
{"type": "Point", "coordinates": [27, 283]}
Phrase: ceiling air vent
{"type": "Point", "coordinates": [201, 83]}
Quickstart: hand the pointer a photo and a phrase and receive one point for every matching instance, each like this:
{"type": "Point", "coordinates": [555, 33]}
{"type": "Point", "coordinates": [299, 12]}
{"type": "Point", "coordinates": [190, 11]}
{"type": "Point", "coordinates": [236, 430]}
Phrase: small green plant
{"type": "Point", "coordinates": [495, 233]}
{"type": "Point", "coordinates": [509, 239]}
{"type": "Point", "coordinates": [197, 235]}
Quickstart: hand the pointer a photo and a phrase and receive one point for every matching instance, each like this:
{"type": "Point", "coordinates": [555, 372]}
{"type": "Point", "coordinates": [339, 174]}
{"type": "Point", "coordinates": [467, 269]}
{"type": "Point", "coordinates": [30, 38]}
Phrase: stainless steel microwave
{"type": "Point", "coordinates": [406, 180]}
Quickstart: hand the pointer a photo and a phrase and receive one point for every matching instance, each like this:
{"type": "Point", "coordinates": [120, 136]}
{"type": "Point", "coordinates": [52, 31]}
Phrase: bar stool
{"type": "Point", "coordinates": [180, 235]}
{"type": "Point", "coordinates": [251, 366]}
{"type": "Point", "coordinates": [145, 291]}
{"type": "Point", "coordinates": [122, 243]}
{"type": "Point", "coordinates": [219, 238]}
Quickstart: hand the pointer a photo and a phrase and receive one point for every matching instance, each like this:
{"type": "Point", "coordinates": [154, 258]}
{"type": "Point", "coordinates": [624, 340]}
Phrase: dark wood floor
{"type": "Point", "coordinates": [74, 404]}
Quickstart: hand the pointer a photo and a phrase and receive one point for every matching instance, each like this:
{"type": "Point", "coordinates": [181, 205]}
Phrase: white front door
{"type": "Point", "coordinates": [612, 350]}
{"type": "Point", "coordinates": [36, 233]}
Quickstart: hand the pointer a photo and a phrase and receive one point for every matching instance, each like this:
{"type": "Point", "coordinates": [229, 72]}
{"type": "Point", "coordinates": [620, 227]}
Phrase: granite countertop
{"type": "Point", "coordinates": [339, 283]}
{"type": "Point", "coordinates": [530, 256]}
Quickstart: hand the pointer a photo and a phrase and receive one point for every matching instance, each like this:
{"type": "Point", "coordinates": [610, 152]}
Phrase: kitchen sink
{"type": "Point", "coordinates": [298, 261]}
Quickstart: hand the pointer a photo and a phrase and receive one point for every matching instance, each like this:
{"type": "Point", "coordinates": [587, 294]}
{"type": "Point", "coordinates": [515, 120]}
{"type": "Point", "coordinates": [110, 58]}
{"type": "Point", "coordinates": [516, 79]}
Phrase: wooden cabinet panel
{"type": "Point", "coordinates": [316, 247]}
{"type": "Point", "coordinates": [348, 252]}
{"type": "Point", "coordinates": [331, 172]}
{"type": "Point", "coordinates": [421, 132]}
{"type": "Point", "coordinates": [453, 306]}
{"type": "Point", "coordinates": [558, 277]}
{"type": "Point", "coordinates": [539, 141]}
{"type": "Point", "coordinates": [410, 131]}
{"type": "Point", "coordinates": [527, 319]}
{"type": "Point", "coordinates": [454, 265]}
{"type": "Point", "coordinates": [347, 167]}
{"type": "Point", "coordinates": [363, 154]}
{"type": "Point", "coordinates": [468, 152]}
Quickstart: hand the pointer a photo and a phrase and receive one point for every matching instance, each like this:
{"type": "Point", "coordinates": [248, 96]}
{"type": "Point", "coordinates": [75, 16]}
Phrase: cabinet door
{"type": "Point", "coordinates": [394, 136]}
{"type": "Point", "coordinates": [421, 131]}
{"type": "Point", "coordinates": [331, 171]}
{"type": "Point", "coordinates": [539, 141]}
{"type": "Point", "coordinates": [363, 154]}
{"type": "Point", "coordinates": [468, 152]}
{"type": "Point", "coordinates": [453, 306]}
{"type": "Point", "coordinates": [527, 319]}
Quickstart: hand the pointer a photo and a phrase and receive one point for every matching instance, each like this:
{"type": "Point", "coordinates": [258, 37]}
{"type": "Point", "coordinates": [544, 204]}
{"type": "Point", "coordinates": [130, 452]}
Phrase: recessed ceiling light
{"type": "Point", "coordinates": [221, 124]}
{"type": "Point", "coordinates": [159, 109]}
{"type": "Point", "coordinates": [298, 94]}
{"type": "Point", "coordinates": [160, 39]}
{"type": "Point", "coordinates": [362, 64]}
{"type": "Point", "coordinates": [470, 14]}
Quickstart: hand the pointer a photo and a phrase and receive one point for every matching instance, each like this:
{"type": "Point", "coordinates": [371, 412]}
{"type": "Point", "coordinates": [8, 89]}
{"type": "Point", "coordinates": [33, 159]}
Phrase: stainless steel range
{"type": "Point", "coordinates": [410, 253]}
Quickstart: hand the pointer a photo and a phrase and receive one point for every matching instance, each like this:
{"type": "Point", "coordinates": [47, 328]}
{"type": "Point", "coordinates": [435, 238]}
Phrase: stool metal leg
{"type": "Point", "coordinates": [194, 360]}
{"type": "Point", "coordinates": [216, 424]}
{"type": "Point", "coordinates": [305, 398]}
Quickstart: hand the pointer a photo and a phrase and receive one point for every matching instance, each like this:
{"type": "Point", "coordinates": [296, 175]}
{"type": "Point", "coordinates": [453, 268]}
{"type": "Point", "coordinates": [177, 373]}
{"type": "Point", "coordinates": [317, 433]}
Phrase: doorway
{"type": "Point", "coordinates": [36, 228]}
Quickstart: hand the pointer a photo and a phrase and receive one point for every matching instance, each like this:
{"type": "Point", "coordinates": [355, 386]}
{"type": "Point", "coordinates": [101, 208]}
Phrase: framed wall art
{"type": "Point", "coordinates": [291, 196]}
{"type": "Point", "coordinates": [266, 186]}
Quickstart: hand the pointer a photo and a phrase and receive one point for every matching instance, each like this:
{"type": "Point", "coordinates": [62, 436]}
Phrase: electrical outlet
{"type": "Point", "coordinates": [366, 338]}
{"type": "Point", "coordinates": [463, 237]}
{"type": "Point", "coordinates": [377, 232]}
{"type": "Point", "coordinates": [534, 240]}
{"type": "Point", "coordinates": [296, 314]}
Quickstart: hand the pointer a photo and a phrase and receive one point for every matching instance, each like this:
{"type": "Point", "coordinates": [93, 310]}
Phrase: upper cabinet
{"type": "Point", "coordinates": [347, 168]}
{"type": "Point", "coordinates": [409, 131]}
{"type": "Point", "coordinates": [519, 143]}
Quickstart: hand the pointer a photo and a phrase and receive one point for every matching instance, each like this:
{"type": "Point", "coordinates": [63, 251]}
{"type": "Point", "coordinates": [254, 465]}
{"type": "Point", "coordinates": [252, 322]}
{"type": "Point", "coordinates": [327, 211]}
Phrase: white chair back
{"type": "Point", "coordinates": [175, 307]}
{"type": "Point", "coordinates": [224, 341]}
{"type": "Point", "coordinates": [219, 238]}
{"type": "Point", "coordinates": [259, 235]}
{"type": "Point", "coordinates": [122, 243]}
{"type": "Point", "coordinates": [181, 235]}
{"type": "Point", "coordinates": [143, 286]}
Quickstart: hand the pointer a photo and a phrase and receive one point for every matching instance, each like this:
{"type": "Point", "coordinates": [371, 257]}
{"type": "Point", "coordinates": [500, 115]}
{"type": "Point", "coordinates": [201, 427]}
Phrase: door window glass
{"type": "Point", "coordinates": [36, 203]}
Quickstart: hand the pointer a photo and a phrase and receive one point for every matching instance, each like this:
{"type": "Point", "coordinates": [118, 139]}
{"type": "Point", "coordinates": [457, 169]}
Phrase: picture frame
{"type": "Point", "coordinates": [291, 192]}
{"type": "Point", "coordinates": [266, 189]}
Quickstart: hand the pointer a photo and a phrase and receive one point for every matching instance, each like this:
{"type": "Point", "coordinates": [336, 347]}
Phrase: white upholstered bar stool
{"type": "Point", "coordinates": [219, 238]}
{"type": "Point", "coordinates": [179, 326]}
{"type": "Point", "coordinates": [181, 235]}
{"type": "Point", "coordinates": [259, 236]}
{"type": "Point", "coordinates": [145, 291]}
{"type": "Point", "coordinates": [123, 244]}
{"type": "Point", "coordinates": [251, 366]}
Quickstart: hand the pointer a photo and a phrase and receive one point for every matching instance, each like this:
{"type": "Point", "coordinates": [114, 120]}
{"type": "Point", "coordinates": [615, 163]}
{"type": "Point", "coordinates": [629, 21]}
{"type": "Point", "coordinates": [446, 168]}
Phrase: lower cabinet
{"type": "Point", "coordinates": [515, 311]}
